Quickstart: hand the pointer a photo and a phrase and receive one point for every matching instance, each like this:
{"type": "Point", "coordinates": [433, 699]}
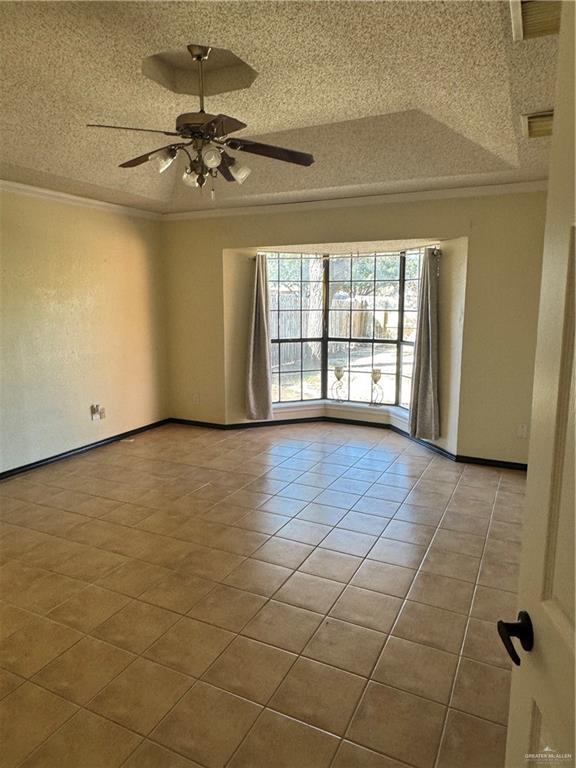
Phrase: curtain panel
{"type": "Point", "coordinates": [259, 374]}
{"type": "Point", "coordinates": [424, 411]}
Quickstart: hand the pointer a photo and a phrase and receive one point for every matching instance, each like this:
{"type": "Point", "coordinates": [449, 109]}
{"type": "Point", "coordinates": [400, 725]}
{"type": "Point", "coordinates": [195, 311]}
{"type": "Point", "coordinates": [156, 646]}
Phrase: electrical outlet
{"type": "Point", "coordinates": [97, 412]}
{"type": "Point", "coordinates": [522, 431]}
{"type": "Point", "coordinates": [195, 400]}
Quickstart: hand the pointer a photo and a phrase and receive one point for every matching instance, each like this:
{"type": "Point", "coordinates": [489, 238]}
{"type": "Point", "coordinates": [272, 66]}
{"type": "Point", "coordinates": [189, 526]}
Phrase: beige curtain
{"type": "Point", "coordinates": [424, 410]}
{"type": "Point", "coordinates": [259, 375]}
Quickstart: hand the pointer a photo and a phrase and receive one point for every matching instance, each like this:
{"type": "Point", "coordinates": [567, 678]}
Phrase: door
{"type": "Point", "coordinates": [541, 723]}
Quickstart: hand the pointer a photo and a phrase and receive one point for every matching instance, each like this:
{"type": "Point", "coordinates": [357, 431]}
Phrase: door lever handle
{"type": "Point", "coordinates": [522, 629]}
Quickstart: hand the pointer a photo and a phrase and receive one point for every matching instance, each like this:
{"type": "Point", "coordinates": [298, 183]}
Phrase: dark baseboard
{"type": "Point", "coordinates": [435, 448]}
{"type": "Point", "coordinates": [249, 424]}
{"type": "Point", "coordinates": [492, 462]}
{"type": "Point", "coordinates": [255, 424]}
{"type": "Point", "coordinates": [81, 449]}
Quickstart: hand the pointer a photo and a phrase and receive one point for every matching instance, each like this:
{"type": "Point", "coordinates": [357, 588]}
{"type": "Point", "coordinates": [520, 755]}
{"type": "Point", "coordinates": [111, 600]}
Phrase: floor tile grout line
{"type": "Point", "coordinates": [394, 623]}
{"type": "Point", "coordinates": [138, 597]}
{"type": "Point", "coordinates": [460, 655]}
{"type": "Point", "coordinates": [195, 680]}
{"type": "Point", "coordinates": [176, 572]}
{"type": "Point", "coordinates": [181, 616]}
{"type": "Point", "coordinates": [294, 570]}
{"type": "Point", "coordinates": [270, 598]}
{"type": "Point", "coordinates": [52, 733]}
{"type": "Point", "coordinates": [84, 706]}
{"type": "Point", "coordinates": [198, 515]}
{"type": "Point", "coordinates": [447, 706]}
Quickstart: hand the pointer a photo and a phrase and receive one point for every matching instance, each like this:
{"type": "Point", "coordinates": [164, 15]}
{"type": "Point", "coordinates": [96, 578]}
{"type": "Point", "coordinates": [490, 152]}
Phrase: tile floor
{"type": "Point", "coordinates": [305, 596]}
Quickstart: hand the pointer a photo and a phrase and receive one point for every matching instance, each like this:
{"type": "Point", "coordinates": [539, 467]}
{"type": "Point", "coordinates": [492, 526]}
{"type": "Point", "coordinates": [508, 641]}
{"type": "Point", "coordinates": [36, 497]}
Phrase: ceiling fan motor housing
{"type": "Point", "coordinates": [190, 124]}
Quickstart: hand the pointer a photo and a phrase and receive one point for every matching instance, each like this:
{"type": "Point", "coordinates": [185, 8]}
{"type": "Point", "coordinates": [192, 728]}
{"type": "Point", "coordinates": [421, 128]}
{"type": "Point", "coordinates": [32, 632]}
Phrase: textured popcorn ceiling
{"type": "Point", "coordinates": [389, 96]}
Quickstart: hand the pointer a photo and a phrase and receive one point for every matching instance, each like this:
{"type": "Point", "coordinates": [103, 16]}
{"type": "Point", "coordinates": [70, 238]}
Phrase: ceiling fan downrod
{"type": "Point", "coordinates": [204, 139]}
{"type": "Point", "coordinates": [200, 54]}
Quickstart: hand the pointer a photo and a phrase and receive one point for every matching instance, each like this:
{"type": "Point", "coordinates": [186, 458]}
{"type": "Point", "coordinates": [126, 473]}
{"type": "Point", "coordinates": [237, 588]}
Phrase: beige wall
{"type": "Point", "coordinates": [195, 322]}
{"type": "Point", "coordinates": [80, 323]}
{"type": "Point", "coordinates": [150, 318]}
{"type": "Point", "coordinates": [502, 290]}
{"type": "Point", "coordinates": [452, 293]}
{"type": "Point", "coordinates": [210, 298]}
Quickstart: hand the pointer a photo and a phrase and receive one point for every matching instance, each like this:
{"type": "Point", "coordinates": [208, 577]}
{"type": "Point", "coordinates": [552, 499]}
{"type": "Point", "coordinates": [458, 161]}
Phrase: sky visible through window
{"type": "Point", "coordinates": [343, 326]}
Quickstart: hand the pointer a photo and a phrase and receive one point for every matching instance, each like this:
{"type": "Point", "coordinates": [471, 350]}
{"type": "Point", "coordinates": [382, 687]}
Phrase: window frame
{"type": "Point", "coordinates": [325, 339]}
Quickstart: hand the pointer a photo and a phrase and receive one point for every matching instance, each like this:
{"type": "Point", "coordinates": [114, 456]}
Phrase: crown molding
{"type": "Point", "coordinates": [273, 208]}
{"type": "Point", "coordinates": [362, 200]}
{"type": "Point", "coordinates": [83, 202]}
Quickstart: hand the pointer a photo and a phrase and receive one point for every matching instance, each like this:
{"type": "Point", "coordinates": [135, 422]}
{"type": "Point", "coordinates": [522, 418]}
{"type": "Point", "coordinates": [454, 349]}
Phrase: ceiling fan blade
{"type": "Point", "coordinates": [268, 150]}
{"type": "Point", "coordinates": [144, 158]}
{"type": "Point", "coordinates": [222, 125]}
{"type": "Point", "coordinates": [224, 167]}
{"type": "Point", "coordinates": [125, 128]}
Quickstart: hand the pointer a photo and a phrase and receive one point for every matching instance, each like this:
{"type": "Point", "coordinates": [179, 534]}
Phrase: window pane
{"type": "Point", "coordinates": [312, 268]}
{"type": "Point", "coordinates": [290, 386]}
{"type": "Point", "coordinates": [339, 295]}
{"type": "Point", "coordinates": [362, 324]}
{"type": "Point", "coordinates": [339, 324]}
{"type": "Point", "coordinates": [360, 387]}
{"type": "Point", "coordinates": [273, 295]}
{"type": "Point", "coordinates": [385, 325]}
{"type": "Point", "coordinates": [338, 354]}
{"type": "Point", "coordinates": [387, 295]}
{"type": "Point", "coordinates": [385, 357]}
{"type": "Point", "coordinates": [311, 296]}
{"type": "Point", "coordinates": [405, 391]}
{"type": "Point", "coordinates": [388, 386]}
{"type": "Point", "coordinates": [411, 294]}
{"type": "Point", "coordinates": [289, 295]}
{"type": "Point", "coordinates": [312, 355]}
{"type": "Point", "coordinates": [275, 388]}
{"type": "Point", "coordinates": [272, 267]}
{"type": "Point", "coordinates": [362, 295]}
{"type": "Point", "coordinates": [312, 385]}
{"type": "Point", "coordinates": [412, 265]}
{"type": "Point", "coordinates": [340, 268]}
{"type": "Point", "coordinates": [410, 319]}
{"type": "Point", "coordinates": [312, 324]}
{"type": "Point", "coordinates": [361, 357]}
{"type": "Point", "coordinates": [363, 268]}
{"type": "Point", "coordinates": [290, 357]}
{"type": "Point", "coordinates": [273, 317]}
{"type": "Point", "coordinates": [407, 360]}
{"type": "Point", "coordinates": [289, 324]}
{"type": "Point", "coordinates": [289, 269]}
{"type": "Point", "coordinates": [388, 266]}
{"type": "Point", "coordinates": [274, 358]}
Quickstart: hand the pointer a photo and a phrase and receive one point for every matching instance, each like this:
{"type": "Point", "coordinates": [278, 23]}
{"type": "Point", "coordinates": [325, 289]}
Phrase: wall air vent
{"type": "Point", "coordinates": [534, 18]}
{"type": "Point", "coordinates": [538, 125]}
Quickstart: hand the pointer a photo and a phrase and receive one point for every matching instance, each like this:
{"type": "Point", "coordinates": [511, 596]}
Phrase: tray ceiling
{"type": "Point", "coordinates": [389, 96]}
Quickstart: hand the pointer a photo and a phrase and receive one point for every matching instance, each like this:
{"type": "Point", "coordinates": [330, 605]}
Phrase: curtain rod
{"type": "Point", "coordinates": [352, 255]}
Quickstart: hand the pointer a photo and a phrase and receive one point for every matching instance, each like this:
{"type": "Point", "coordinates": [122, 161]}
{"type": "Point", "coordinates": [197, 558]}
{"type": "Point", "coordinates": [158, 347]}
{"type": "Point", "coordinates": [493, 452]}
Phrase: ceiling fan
{"type": "Point", "coordinates": [206, 138]}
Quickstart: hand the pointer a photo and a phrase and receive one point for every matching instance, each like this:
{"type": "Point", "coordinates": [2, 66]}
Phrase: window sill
{"type": "Point", "coordinates": [379, 414]}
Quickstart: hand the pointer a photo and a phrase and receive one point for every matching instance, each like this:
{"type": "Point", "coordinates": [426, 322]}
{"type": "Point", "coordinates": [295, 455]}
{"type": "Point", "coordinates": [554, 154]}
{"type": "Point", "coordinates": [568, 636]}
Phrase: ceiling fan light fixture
{"type": "Point", "coordinates": [240, 172]}
{"type": "Point", "coordinates": [190, 178]}
{"type": "Point", "coordinates": [211, 156]}
{"type": "Point", "coordinates": [164, 159]}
